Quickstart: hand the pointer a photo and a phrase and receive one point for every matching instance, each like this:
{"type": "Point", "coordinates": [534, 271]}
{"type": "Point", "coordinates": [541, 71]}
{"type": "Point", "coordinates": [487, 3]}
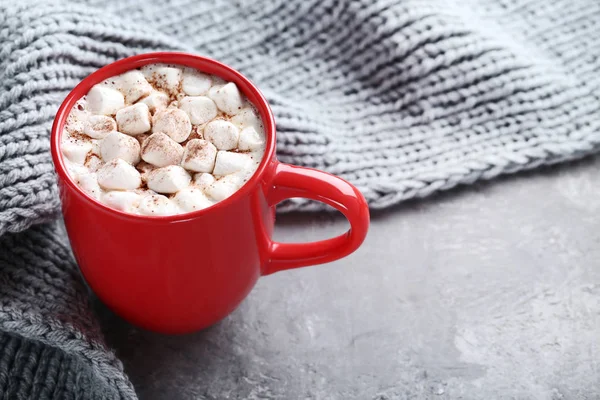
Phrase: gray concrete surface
{"type": "Point", "coordinates": [488, 292]}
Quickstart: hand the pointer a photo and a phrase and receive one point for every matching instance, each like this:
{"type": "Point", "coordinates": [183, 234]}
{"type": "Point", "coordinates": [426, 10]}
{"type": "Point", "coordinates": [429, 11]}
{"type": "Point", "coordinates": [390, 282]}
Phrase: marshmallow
{"type": "Point", "coordinates": [120, 145]}
{"type": "Point", "coordinates": [133, 85]}
{"type": "Point", "coordinates": [76, 150]}
{"type": "Point", "coordinates": [191, 199]}
{"type": "Point", "coordinates": [160, 150]}
{"type": "Point", "coordinates": [111, 82]}
{"type": "Point", "coordinates": [249, 139]}
{"type": "Point", "coordinates": [158, 205]}
{"type": "Point", "coordinates": [104, 100]}
{"type": "Point", "coordinates": [96, 147]}
{"type": "Point", "coordinates": [195, 83]}
{"type": "Point", "coordinates": [118, 174]}
{"type": "Point", "coordinates": [89, 184]}
{"type": "Point", "coordinates": [227, 97]}
{"type": "Point", "coordinates": [77, 116]}
{"type": "Point", "coordinates": [165, 78]}
{"type": "Point", "coordinates": [155, 101]}
{"type": "Point", "coordinates": [98, 126]}
{"type": "Point", "coordinates": [224, 187]}
{"type": "Point", "coordinates": [134, 119]}
{"type": "Point", "coordinates": [93, 163]}
{"type": "Point", "coordinates": [148, 70]}
{"type": "Point", "coordinates": [199, 156]}
{"type": "Point", "coordinates": [123, 201]}
{"type": "Point", "coordinates": [228, 163]}
{"type": "Point", "coordinates": [224, 135]}
{"type": "Point", "coordinates": [75, 170]}
{"type": "Point", "coordinates": [73, 127]}
{"type": "Point", "coordinates": [203, 180]}
{"type": "Point", "coordinates": [169, 179]}
{"type": "Point", "coordinates": [200, 109]}
{"type": "Point", "coordinates": [174, 122]}
{"type": "Point", "coordinates": [247, 118]}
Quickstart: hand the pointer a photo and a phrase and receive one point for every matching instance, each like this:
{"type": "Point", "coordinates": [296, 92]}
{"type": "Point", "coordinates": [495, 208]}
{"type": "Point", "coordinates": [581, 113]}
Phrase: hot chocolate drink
{"type": "Point", "coordinates": [162, 140]}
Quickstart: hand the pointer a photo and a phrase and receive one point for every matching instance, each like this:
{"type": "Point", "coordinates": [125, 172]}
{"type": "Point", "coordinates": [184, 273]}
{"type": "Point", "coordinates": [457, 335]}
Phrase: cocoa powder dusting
{"type": "Point", "coordinates": [80, 137]}
{"type": "Point", "coordinates": [144, 169]}
{"type": "Point", "coordinates": [88, 158]}
{"type": "Point", "coordinates": [150, 145]}
{"type": "Point", "coordinates": [141, 138]}
{"type": "Point", "coordinates": [103, 126]}
{"type": "Point", "coordinates": [157, 81]}
{"type": "Point", "coordinates": [236, 150]}
{"type": "Point", "coordinates": [195, 134]}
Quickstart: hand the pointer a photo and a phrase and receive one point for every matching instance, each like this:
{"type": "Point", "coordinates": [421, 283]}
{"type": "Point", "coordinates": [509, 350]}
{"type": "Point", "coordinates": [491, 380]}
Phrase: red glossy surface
{"type": "Point", "coordinates": [182, 273]}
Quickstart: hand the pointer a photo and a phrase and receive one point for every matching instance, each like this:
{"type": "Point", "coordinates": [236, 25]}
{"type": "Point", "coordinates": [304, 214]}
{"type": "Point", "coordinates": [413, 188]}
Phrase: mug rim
{"type": "Point", "coordinates": [177, 58]}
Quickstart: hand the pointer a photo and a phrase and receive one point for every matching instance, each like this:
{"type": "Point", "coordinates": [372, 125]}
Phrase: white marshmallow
{"type": "Point", "coordinates": [122, 146]}
{"type": "Point", "coordinates": [191, 199]}
{"type": "Point", "coordinates": [250, 139]}
{"type": "Point", "coordinates": [224, 187]}
{"type": "Point", "coordinates": [203, 180]}
{"type": "Point", "coordinates": [76, 150]}
{"type": "Point", "coordinates": [195, 83]}
{"type": "Point", "coordinates": [174, 122]}
{"type": "Point", "coordinates": [199, 156]}
{"type": "Point", "coordinates": [104, 100]}
{"type": "Point", "coordinates": [96, 147]}
{"type": "Point", "coordinates": [134, 120]}
{"type": "Point", "coordinates": [73, 127]}
{"type": "Point", "coordinates": [75, 170]}
{"type": "Point", "coordinates": [200, 109]}
{"type": "Point", "coordinates": [169, 179]}
{"type": "Point", "coordinates": [228, 98]}
{"type": "Point", "coordinates": [165, 78]}
{"type": "Point", "coordinates": [118, 174]}
{"type": "Point", "coordinates": [124, 201]}
{"type": "Point", "coordinates": [160, 150]}
{"type": "Point", "coordinates": [133, 85]}
{"type": "Point", "coordinates": [246, 118]}
{"type": "Point", "coordinates": [158, 205]}
{"type": "Point", "coordinates": [93, 163]}
{"type": "Point", "coordinates": [223, 134]}
{"type": "Point", "coordinates": [98, 126]}
{"type": "Point", "coordinates": [89, 184]}
{"type": "Point", "coordinates": [156, 101]}
{"type": "Point", "coordinates": [148, 69]}
{"type": "Point", "coordinates": [76, 118]}
{"type": "Point", "coordinates": [110, 83]}
{"type": "Point", "coordinates": [228, 163]}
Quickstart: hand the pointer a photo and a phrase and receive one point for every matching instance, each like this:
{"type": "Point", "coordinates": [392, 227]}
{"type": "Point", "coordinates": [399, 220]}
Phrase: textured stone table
{"type": "Point", "coordinates": [488, 292]}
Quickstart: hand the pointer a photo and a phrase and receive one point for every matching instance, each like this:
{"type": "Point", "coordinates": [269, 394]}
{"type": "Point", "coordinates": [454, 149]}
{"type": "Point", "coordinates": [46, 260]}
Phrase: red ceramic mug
{"type": "Point", "coordinates": [182, 273]}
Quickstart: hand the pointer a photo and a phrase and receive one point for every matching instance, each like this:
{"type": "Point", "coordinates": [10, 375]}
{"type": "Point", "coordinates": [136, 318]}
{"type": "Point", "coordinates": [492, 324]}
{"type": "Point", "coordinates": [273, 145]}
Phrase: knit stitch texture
{"type": "Point", "coordinates": [403, 98]}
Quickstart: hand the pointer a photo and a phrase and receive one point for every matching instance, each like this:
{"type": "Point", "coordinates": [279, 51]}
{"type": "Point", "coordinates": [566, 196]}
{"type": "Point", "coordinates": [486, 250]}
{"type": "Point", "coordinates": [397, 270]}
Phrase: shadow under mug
{"type": "Point", "coordinates": [182, 273]}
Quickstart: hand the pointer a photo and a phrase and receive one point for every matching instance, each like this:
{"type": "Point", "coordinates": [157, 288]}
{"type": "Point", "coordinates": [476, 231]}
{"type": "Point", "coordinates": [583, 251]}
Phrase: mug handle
{"type": "Point", "coordinates": [291, 181]}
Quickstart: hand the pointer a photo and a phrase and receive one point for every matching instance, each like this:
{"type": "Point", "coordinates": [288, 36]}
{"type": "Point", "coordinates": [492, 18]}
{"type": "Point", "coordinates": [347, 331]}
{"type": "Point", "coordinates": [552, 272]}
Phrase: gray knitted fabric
{"type": "Point", "coordinates": [402, 98]}
{"type": "Point", "coordinates": [50, 344]}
